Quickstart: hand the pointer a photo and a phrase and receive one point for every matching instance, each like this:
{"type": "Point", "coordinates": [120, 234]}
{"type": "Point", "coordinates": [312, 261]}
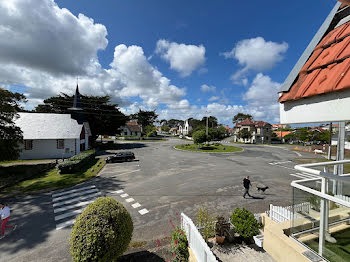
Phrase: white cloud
{"type": "Point", "coordinates": [214, 98]}
{"type": "Point", "coordinates": [261, 102]}
{"type": "Point", "coordinates": [182, 58]}
{"type": "Point", "coordinates": [44, 48]}
{"type": "Point", "coordinates": [206, 88]}
{"type": "Point", "coordinates": [256, 54]}
{"type": "Point", "coordinates": [39, 34]}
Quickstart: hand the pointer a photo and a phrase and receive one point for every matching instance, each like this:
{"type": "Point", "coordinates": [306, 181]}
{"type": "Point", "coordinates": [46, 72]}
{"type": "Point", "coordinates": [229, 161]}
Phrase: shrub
{"type": "Point", "coordinates": [179, 246]}
{"type": "Point", "coordinates": [102, 232]}
{"type": "Point", "coordinates": [152, 133]}
{"type": "Point", "coordinates": [200, 137]}
{"type": "Point", "coordinates": [245, 223]}
{"type": "Point", "coordinates": [75, 163]}
{"type": "Point", "coordinates": [206, 223]}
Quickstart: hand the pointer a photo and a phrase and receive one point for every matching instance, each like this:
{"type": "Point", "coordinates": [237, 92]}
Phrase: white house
{"type": "Point", "coordinates": [52, 135]}
{"type": "Point", "coordinates": [131, 128]}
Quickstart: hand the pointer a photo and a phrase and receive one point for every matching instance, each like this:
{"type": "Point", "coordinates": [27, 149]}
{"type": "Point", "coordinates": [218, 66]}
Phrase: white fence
{"type": "Point", "coordinates": [345, 198]}
{"type": "Point", "coordinates": [281, 214]}
{"type": "Point", "coordinates": [195, 241]}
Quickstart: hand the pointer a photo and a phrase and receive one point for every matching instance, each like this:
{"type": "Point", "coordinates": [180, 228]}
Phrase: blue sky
{"type": "Point", "coordinates": [240, 51]}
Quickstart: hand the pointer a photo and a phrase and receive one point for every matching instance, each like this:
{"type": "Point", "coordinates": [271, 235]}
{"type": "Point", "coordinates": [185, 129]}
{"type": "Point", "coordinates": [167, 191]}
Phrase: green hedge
{"type": "Point", "coordinates": [75, 163]}
{"type": "Point", "coordinates": [179, 246]}
{"type": "Point", "coordinates": [102, 232]}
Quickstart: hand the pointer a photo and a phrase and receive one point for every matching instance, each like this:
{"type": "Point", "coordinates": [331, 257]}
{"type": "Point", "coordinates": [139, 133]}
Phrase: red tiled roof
{"type": "Point", "coordinates": [328, 68]}
{"type": "Point", "coordinates": [248, 122]}
{"type": "Point", "coordinates": [133, 126]}
{"type": "Point", "coordinates": [284, 133]}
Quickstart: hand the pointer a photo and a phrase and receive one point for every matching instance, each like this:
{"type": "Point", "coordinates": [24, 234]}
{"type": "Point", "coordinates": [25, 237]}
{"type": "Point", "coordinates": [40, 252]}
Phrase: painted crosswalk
{"type": "Point", "coordinates": [130, 200]}
{"type": "Point", "coordinates": [68, 204]}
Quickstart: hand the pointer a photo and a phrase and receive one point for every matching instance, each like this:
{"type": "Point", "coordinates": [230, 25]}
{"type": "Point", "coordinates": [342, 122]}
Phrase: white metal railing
{"type": "Point", "coordinates": [196, 242]}
{"type": "Point", "coordinates": [345, 198]}
{"type": "Point", "coordinates": [281, 214]}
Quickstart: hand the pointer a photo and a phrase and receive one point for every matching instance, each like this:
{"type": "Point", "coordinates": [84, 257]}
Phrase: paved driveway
{"type": "Point", "coordinates": [156, 188]}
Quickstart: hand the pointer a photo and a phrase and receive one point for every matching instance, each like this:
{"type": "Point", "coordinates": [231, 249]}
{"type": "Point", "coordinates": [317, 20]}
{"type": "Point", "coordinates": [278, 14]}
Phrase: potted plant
{"type": "Point", "coordinates": [221, 229]}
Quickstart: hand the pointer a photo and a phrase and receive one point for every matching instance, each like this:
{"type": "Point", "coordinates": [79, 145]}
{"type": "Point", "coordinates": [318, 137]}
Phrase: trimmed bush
{"type": "Point", "coordinates": [102, 232]}
{"type": "Point", "coordinates": [245, 223]}
{"type": "Point", "coordinates": [75, 163]}
{"type": "Point", "coordinates": [179, 246]}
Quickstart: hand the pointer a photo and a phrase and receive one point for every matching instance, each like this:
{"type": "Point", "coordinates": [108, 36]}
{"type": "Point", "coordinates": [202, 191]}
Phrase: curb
{"type": "Point", "coordinates": [209, 152]}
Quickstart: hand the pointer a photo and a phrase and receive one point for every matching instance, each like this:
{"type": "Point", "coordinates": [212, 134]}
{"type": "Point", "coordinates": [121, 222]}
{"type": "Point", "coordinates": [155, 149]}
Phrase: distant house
{"type": "Point", "coordinates": [260, 131]}
{"type": "Point", "coordinates": [52, 135]}
{"type": "Point", "coordinates": [173, 131]}
{"type": "Point", "coordinates": [131, 128]}
{"type": "Point", "coordinates": [280, 126]}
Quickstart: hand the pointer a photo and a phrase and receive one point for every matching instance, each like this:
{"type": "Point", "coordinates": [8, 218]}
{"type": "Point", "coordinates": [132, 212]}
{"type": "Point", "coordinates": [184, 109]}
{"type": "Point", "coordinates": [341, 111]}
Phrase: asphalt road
{"type": "Point", "coordinates": [156, 188]}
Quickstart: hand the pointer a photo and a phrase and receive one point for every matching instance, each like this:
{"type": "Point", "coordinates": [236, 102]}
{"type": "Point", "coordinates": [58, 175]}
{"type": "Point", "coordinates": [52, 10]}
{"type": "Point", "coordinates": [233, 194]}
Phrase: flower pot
{"type": "Point", "coordinates": [220, 239]}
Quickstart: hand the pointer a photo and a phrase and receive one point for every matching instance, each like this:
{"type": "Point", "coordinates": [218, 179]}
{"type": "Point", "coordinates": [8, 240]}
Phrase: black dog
{"type": "Point", "coordinates": [262, 188]}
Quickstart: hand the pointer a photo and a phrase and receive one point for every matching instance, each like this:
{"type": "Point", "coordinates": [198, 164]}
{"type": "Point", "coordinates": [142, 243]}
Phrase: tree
{"type": "Point", "coordinates": [212, 121]}
{"type": "Point", "coordinates": [175, 123]}
{"type": "Point", "coordinates": [200, 137]}
{"type": "Point", "coordinates": [240, 117]}
{"type": "Point", "coordinates": [165, 128]}
{"type": "Point", "coordinates": [145, 118]}
{"type": "Point", "coordinates": [10, 134]}
{"type": "Point", "coordinates": [244, 134]}
{"type": "Point", "coordinates": [104, 117]}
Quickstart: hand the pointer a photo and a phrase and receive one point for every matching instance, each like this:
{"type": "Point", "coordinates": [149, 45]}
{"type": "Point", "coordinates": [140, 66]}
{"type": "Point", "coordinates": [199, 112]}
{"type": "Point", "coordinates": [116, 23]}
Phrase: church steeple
{"type": "Point", "coordinates": [77, 110]}
{"type": "Point", "coordinates": [76, 101]}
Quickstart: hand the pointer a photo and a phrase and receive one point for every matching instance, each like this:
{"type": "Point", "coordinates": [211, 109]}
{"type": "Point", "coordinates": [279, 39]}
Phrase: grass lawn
{"type": "Point", "coordinates": [209, 148]}
{"type": "Point", "coordinates": [155, 140]}
{"type": "Point", "coordinates": [33, 161]}
{"type": "Point", "coordinates": [52, 180]}
{"type": "Point", "coordinates": [317, 160]}
{"type": "Point", "coordinates": [338, 252]}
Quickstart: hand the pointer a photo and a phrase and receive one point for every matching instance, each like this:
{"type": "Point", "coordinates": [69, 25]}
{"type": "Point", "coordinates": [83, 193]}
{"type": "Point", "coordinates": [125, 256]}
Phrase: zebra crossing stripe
{"type": "Point", "coordinates": [129, 200]}
{"type": "Point", "coordinates": [79, 204]}
{"type": "Point", "coordinates": [65, 224]}
{"type": "Point", "coordinates": [75, 194]}
{"type": "Point", "coordinates": [117, 192]}
{"type": "Point", "coordinates": [69, 214]}
{"type": "Point", "coordinates": [124, 195]}
{"type": "Point", "coordinates": [71, 191]}
{"type": "Point", "coordinates": [307, 175]}
{"type": "Point", "coordinates": [76, 199]}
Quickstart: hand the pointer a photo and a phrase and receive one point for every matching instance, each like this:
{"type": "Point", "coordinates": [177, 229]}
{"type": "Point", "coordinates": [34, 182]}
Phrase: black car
{"type": "Point", "coordinates": [119, 157]}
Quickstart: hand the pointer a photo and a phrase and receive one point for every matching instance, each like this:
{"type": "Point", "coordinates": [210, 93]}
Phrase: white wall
{"type": "Point", "coordinates": [47, 148]}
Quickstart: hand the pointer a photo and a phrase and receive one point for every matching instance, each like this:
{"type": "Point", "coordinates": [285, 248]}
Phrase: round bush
{"type": "Point", "coordinates": [102, 232]}
{"type": "Point", "coordinates": [245, 223]}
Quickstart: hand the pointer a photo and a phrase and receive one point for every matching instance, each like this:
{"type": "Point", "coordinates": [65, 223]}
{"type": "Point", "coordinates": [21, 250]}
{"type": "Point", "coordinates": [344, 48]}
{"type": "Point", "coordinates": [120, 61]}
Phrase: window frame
{"type": "Point", "coordinates": [58, 145]}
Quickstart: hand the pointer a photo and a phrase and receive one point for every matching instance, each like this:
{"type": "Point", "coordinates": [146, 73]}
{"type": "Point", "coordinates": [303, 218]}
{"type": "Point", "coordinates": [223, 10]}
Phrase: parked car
{"type": "Point", "coordinates": [120, 157]}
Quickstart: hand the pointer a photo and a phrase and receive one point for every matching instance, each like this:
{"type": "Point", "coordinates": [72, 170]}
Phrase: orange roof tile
{"type": "Point", "coordinates": [284, 133]}
{"type": "Point", "coordinates": [328, 68]}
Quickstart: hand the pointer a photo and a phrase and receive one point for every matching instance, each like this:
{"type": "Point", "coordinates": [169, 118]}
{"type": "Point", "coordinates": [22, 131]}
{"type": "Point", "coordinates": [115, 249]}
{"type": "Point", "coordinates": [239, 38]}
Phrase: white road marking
{"type": "Point", "coordinates": [80, 204]}
{"type": "Point", "coordinates": [126, 173]}
{"type": "Point", "coordinates": [65, 224]}
{"type": "Point", "coordinates": [76, 199]}
{"type": "Point", "coordinates": [298, 154]}
{"type": "Point", "coordinates": [136, 205]}
{"type": "Point", "coordinates": [143, 211]}
{"type": "Point", "coordinates": [70, 214]}
{"type": "Point", "coordinates": [277, 163]}
{"type": "Point", "coordinates": [130, 200]}
{"type": "Point", "coordinates": [124, 195]}
{"type": "Point", "coordinates": [117, 192]}
{"type": "Point", "coordinates": [297, 176]}
{"type": "Point", "coordinates": [75, 194]}
{"type": "Point", "coordinates": [72, 191]}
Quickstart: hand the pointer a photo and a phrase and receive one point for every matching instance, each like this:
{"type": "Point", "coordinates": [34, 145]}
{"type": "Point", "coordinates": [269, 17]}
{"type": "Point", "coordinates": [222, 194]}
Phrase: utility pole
{"type": "Point", "coordinates": [207, 124]}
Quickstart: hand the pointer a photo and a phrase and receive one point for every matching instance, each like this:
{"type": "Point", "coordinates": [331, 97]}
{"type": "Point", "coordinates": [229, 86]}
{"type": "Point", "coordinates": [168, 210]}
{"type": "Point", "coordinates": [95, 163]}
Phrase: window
{"type": "Point", "coordinates": [28, 144]}
{"type": "Point", "coordinates": [60, 143]}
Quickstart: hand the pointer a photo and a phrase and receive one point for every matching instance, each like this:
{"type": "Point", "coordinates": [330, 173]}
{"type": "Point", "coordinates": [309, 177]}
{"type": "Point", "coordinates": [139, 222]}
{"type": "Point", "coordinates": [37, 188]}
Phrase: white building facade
{"type": "Point", "coordinates": [48, 136]}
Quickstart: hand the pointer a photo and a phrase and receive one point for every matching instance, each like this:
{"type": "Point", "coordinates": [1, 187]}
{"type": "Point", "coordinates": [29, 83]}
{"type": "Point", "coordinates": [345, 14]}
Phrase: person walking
{"type": "Point", "coordinates": [5, 217]}
{"type": "Point", "coordinates": [246, 185]}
